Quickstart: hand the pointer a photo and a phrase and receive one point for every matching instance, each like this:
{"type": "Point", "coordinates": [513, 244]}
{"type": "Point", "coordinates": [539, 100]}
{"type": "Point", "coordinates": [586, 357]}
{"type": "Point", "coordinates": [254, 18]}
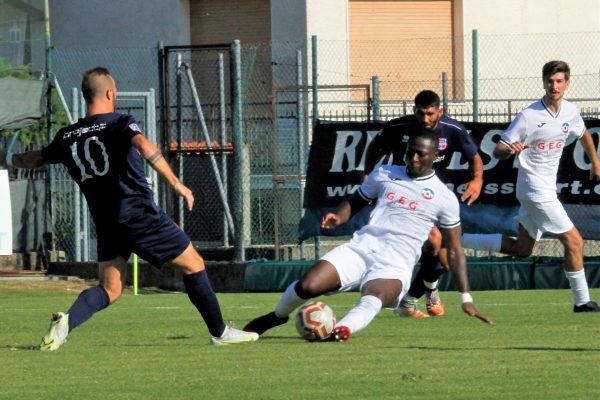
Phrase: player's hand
{"type": "Point", "coordinates": [470, 310]}
{"type": "Point", "coordinates": [186, 193]}
{"type": "Point", "coordinates": [330, 220]}
{"type": "Point", "coordinates": [594, 171]}
{"type": "Point", "coordinates": [472, 191]}
{"type": "Point", "coordinates": [517, 147]}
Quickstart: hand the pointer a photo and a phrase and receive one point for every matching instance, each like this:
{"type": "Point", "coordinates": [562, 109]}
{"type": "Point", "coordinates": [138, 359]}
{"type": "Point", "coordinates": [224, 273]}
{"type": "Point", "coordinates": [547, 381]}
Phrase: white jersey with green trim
{"type": "Point", "coordinates": [545, 134]}
{"type": "Point", "coordinates": [405, 211]}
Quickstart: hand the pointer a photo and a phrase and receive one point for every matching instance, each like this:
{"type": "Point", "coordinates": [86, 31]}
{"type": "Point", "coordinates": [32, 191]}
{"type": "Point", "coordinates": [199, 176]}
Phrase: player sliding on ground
{"type": "Point", "coordinates": [453, 137]}
{"type": "Point", "coordinates": [380, 257]}
{"type": "Point", "coordinates": [104, 154]}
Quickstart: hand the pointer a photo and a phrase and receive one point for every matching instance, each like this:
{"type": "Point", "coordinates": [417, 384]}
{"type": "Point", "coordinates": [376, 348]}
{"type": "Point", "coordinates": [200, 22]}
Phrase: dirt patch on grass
{"type": "Point", "coordinates": [72, 285]}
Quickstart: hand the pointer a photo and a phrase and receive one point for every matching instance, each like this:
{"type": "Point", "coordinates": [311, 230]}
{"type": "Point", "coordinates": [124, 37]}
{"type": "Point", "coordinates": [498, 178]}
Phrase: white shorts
{"type": "Point", "coordinates": [356, 268]}
{"type": "Point", "coordinates": [538, 217]}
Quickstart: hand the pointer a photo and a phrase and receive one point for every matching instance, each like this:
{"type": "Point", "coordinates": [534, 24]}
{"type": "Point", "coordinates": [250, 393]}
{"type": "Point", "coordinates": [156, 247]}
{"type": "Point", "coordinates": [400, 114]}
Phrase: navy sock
{"type": "Point", "coordinates": [417, 287]}
{"type": "Point", "coordinates": [431, 269]}
{"type": "Point", "coordinates": [201, 294]}
{"type": "Point", "coordinates": [90, 301]}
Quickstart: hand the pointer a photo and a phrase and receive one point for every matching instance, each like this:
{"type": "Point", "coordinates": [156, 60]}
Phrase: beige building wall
{"type": "Point", "coordinates": [401, 42]}
{"type": "Point", "coordinates": [516, 39]}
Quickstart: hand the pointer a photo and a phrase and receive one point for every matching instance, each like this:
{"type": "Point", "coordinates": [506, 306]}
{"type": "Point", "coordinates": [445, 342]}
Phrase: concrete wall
{"type": "Point", "coordinates": [99, 24]}
{"type": "Point", "coordinates": [328, 20]}
{"type": "Point", "coordinates": [517, 37]}
{"type": "Point", "coordinates": [120, 35]}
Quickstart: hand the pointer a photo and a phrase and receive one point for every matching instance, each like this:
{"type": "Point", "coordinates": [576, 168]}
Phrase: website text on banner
{"type": "Point", "coordinates": [336, 169]}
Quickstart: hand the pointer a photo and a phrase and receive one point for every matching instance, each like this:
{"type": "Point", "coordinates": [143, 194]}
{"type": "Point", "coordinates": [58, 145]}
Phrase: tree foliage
{"type": "Point", "coordinates": [34, 135]}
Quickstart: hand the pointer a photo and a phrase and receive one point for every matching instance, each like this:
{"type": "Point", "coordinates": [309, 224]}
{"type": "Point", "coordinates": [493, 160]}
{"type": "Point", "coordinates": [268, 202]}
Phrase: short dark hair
{"type": "Point", "coordinates": [427, 98]}
{"type": "Point", "coordinates": [88, 89]}
{"type": "Point", "coordinates": [424, 133]}
{"type": "Point", "coordinates": [556, 66]}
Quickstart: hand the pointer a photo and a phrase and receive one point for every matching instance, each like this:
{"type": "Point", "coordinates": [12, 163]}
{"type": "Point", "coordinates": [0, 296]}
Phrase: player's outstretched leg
{"type": "Point", "coordinates": [89, 302]}
{"type": "Point", "coordinates": [292, 298]}
{"type": "Point", "coordinates": [357, 318]}
{"type": "Point", "coordinates": [263, 323]}
{"type": "Point", "coordinates": [340, 334]}
{"type": "Point", "coordinates": [201, 294]}
{"type": "Point", "coordinates": [233, 336]}
{"type": "Point", "coordinates": [57, 332]}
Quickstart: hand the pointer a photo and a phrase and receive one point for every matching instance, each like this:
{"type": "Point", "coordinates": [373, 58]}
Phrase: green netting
{"type": "Point", "coordinates": [501, 273]}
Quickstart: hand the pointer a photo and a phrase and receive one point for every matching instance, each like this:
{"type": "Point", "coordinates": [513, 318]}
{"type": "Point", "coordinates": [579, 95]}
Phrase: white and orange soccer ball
{"type": "Point", "coordinates": [315, 321]}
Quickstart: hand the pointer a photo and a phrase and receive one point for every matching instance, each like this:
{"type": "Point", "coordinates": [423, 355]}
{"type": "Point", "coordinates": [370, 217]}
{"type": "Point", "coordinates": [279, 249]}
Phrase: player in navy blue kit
{"type": "Point", "coordinates": [452, 137]}
{"type": "Point", "coordinates": [104, 154]}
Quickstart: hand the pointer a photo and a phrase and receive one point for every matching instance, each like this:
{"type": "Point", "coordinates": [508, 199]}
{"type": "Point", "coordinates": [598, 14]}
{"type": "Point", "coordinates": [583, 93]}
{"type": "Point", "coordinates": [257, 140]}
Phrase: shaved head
{"type": "Point", "coordinates": [96, 82]}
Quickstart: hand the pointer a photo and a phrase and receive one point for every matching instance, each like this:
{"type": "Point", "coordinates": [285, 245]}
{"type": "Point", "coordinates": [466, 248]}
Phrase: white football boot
{"type": "Point", "coordinates": [234, 336]}
{"type": "Point", "coordinates": [57, 332]}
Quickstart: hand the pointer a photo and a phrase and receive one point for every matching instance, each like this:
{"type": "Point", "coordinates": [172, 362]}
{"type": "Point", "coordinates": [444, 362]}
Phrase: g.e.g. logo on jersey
{"type": "Point", "coordinates": [427, 193]}
{"type": "Point", "coordinates": [395, 198]}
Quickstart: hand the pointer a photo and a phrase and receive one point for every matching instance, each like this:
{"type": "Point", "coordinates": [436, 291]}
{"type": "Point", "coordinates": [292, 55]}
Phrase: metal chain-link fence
{"type": "Point", "coordinates": [355, 81]}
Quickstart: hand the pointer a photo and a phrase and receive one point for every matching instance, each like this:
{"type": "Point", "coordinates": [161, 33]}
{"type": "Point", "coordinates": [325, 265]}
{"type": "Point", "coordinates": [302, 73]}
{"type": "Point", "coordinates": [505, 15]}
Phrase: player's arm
{"type": "Point", "coordinates": [345, 211]}
{"type": "Point", "coordinates": [511, 140]}
{"type": "Point", "coordinates": [473, 187]}
{"type": "Point", "coordinates": [28, 160]}
{"type": "Point", "coordinates": [153, 156]}
{"type": "Point", "coordinates": [457, 263]}
{"type": "Point", "coordinates": [590, 150]}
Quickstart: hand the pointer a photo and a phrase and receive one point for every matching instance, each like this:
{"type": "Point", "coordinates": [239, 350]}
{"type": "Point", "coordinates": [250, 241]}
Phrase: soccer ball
{"type": "Point", "coordinates": [315, 321]}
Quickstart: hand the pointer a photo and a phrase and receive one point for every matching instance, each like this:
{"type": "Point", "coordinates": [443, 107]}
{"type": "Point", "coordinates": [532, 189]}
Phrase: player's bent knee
{"type": "Point", "coordinates": [310, 288]}
{"type": "Point", "coordinates": [523, 252]}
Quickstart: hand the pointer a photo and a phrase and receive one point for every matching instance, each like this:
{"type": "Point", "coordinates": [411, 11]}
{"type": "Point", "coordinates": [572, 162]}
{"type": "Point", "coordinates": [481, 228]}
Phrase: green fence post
{"type": "Point", "coordinates": [475, 79]}
{"type": "Point", "coordinates": [315, 115]}
{"type": "Point", "coordinates": [445, 91]}
{"type": "Point", "coordinates": [376, 111]}
{"type": "Point", "coordinates": [163, 117]}
{"type": "Point", "coordinates": [52, 170]}
{"type": "Point", "coordinates": [301, 140]}
{"type": "Point", "coordinates": [239, 254]}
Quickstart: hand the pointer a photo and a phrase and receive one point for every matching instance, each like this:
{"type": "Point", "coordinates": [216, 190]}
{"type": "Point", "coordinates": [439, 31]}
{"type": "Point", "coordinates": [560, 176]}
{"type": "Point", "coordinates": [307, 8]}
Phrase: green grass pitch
{"type": "Point", "coordinates": [154, 346]}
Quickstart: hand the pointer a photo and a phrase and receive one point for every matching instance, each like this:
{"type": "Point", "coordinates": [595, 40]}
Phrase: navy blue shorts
{"type": "Point", "coordinates": [153, 236]}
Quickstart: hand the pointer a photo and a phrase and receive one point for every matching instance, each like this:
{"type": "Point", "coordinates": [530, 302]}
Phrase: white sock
{"type": "Point", "coordinates": [289, 301]}
{"type": "Point", "coordinates": [430, 285]}
{"type": "Point", "coordinates": [362, 314]}
{"type": "Point", "coordinates": [579, 287]}
{"type": "Point", "coordinates": [488, 242]}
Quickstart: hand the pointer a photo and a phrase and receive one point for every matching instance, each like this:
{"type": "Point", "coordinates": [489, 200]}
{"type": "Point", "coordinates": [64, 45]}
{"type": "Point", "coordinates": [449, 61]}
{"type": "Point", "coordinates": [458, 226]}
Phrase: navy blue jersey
{"type": "Point", "coordinates": [99, 156]}
{"type": "Point", "coordinates": [452, 137]}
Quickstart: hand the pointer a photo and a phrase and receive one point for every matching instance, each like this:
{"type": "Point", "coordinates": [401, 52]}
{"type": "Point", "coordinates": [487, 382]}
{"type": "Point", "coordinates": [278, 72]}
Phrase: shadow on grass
{"type": "Point", "coordinates": [10, 347]}
{"type": "Point", "coordinates": [572, 349]}
{"type": "Point", "coordinates": [181, 337]}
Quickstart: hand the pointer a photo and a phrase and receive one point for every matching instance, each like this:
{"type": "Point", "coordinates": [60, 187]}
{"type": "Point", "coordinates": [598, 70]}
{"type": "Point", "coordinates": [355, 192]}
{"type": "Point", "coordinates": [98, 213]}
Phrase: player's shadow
{"type": "Point", "coordinates": [14, 348]}
{"type": "Point", "coordinates": [180, 337]}
{"type": "Point", "coordinates": [576, 349]}
{"type": "Point", "coordinates": [570, 349]}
